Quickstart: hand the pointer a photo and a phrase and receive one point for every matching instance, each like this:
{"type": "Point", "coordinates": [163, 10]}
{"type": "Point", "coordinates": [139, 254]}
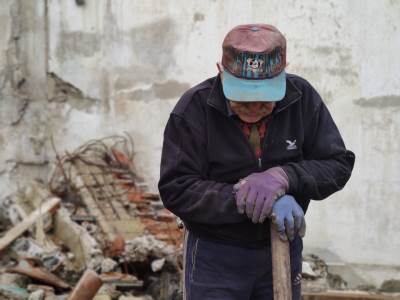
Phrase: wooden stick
{"type": "Point", "coordinates": [87, 286]}
{"type": "Point", "coordinates": [20, 228]}
{"type": "Point", "coordinates": [280, 267]}
{"type": "Point", "coordinates": [346, 295]}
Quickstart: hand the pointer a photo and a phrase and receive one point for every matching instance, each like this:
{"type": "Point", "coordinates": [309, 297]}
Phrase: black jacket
{"type": "Point", "coordinates": [205, 153]}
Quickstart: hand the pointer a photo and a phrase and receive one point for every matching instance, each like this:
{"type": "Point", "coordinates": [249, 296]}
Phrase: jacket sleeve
{"type": "Point", "coordinates": [327, 164]}
{"type": "Point", "coordinates": [184, 187]}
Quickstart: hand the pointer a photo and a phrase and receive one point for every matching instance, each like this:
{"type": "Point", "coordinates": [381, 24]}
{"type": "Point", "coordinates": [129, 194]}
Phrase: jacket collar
{"type": "Point", "coordinates": [217, 99]}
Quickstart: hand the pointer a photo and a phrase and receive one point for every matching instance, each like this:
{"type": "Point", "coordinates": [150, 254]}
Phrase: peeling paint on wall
{"type": "Point", "coordinates": [324, 50]}
{"type": "Point", "coordinates": [197, 17]}
{"type": "Point", "coordinates": [23, 113]}
{"type": "Point", "coordinates": [30, 170]}
{"type": "Point", "coordinates": [342, 72]}
{"type": "Point", "coordinates": [389, 101]}
{"type": "Point", "coordinates": [63, 91]}
{"type": "Point", "coordinates": [79, 43]}
{"type": "Point", "coordinates": [13, 92]}
{"type": "Point", "coordinates": [12, 108]}
{"type": "Point", "coordinates": [2, 141]}
{"type": "Point", "coordinates": [153, 46]}
{"type": "Point", "coordinates": [331, 69]}
{"type": "Point", "coordinates": [170, 89]}
{"type": "Point", "coordinates": [105, 92]}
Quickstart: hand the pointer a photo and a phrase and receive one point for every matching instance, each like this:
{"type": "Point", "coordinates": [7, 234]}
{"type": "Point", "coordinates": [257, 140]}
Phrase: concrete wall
{"type": "Point", "coordinates": [106, 67]}
{"type": "Point", "coordinates": [23, 89]}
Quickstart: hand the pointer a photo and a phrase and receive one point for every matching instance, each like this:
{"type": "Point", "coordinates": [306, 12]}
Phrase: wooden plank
{"type": "Point", "coordinates": [129, 229]}
{"type": "Point", "coordinates": [93, 208]}
{"type": "Point", "coordinates": [38, 273]}
{"type": "Point", "coordinates": [345, 295]}
{"type": "Point", "coordinates": [20, 228]}
{"type": "Point", "coordinates": [77, 239]}
{"type": "Point", "coordinates": [280, 267]}
{"type": "Point", "coordinates": [120, 210]}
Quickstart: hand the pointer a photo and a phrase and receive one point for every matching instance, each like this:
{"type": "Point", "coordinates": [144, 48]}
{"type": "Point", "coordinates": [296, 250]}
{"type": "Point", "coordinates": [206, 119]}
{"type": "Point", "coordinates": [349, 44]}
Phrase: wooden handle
{"type": "Point", "coordinates": [280, 267]}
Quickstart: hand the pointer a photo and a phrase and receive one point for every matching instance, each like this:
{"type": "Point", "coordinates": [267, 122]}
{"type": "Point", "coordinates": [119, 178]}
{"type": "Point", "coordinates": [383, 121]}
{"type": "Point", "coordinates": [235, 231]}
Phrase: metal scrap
{"type": "Point", "coordinates": [99, 176]}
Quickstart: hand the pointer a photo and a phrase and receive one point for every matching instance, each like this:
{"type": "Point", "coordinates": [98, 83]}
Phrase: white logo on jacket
{"type": "Point", "coordinates": [291, 145]}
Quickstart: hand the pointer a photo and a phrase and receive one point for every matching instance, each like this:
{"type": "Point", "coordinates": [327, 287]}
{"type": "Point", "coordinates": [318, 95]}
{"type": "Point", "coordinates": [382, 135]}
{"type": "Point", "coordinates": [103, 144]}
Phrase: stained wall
{"type": "Point", "coordinates": [76, 70]}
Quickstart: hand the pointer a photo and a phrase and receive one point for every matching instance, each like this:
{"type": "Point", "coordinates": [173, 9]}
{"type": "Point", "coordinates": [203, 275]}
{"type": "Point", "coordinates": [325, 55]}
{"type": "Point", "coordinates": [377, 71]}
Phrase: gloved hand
{"type": "Point", "coordinates": [256, 193]}
{"type": "Point", "coordinates": [288, 218]}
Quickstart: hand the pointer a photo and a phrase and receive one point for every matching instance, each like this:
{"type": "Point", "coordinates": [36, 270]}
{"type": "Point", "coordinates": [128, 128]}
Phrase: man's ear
{"type": "Point", "coordinates": [220, 69]}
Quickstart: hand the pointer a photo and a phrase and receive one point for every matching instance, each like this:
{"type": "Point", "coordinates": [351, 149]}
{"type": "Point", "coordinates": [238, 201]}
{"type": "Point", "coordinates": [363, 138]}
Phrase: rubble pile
{"type": "Point", "coordinates": [91, 232]}
{"type": "Point", "coordinates": [316, 277]}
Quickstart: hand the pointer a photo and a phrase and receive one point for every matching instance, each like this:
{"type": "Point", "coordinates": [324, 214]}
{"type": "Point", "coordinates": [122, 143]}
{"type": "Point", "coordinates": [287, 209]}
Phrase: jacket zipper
{"type": "Point", "coordinates": [257, 160]}
{"type": "Point", "coordinates": [264, 145]}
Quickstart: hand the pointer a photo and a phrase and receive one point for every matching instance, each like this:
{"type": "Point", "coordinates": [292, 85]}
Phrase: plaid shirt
{"type": "Point", "coordinates": [259, 130]}
{"type": "Point", "coordinates": [262, 127]}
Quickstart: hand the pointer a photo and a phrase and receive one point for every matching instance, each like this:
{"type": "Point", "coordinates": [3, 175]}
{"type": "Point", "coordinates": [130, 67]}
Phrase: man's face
{"type": "Point", "coordinates": [252, 112]}
{"type": "Point", "coordinates": [249, 112]}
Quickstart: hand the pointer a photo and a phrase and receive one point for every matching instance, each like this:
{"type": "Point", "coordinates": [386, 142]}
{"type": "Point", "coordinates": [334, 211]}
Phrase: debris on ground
{"type": "Point", "coordinates": [390, 286]}
{"type": "Point", "coordinates": [366, 288]}
{"type": "Point", "coordinates": [92, 232]}
{"type": "Point", "coordinates": [318, 281]}
{"type": "Point", "coordinates": [26, 267]}
{"type": "Point", "coordinates": [95, 232]}
{"type": "Point", "coordinates": [87, 286]}
{"type": "Point", "coordinates": [13, 292]}
{"type": "Point", "coordinates": [317, 278]}
{"type": "Point", "coordinates": [21, 227]}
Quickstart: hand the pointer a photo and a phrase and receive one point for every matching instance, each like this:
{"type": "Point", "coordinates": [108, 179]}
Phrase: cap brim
{"type": "Point", "coordinates": [266, 90]}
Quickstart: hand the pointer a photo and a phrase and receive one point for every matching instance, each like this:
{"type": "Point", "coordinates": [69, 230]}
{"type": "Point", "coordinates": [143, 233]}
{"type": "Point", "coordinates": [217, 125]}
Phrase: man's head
{"type": "Point", "coordinates": [252, 68]}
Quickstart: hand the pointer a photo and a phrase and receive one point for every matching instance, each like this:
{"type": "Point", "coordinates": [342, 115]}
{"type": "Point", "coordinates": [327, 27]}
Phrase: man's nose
{"type": "Point", "coordinates": [254, 105]}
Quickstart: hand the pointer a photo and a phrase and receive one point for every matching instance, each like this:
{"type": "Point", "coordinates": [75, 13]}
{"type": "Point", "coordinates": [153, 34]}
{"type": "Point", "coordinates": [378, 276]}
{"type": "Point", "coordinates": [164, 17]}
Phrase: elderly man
{"type": "Point", "coordinates": [251, 143]}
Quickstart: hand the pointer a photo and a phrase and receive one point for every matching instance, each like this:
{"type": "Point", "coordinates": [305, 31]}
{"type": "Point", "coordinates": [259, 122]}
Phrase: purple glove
{"type": "Point", "coordinates": [257, 193]}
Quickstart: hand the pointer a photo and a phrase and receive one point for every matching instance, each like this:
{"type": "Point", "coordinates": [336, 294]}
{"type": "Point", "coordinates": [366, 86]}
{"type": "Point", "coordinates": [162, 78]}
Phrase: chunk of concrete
{"type": "Point", "coordinates": [13, 292]}
{"type": "Point", "coordinates": [86, 250]}
{"type": "Point", "coordinates": [102, 297]}
{"type": "Point", "coordinates": [13, 279]}
{"type": "Point", "coordinates": [157, 264]}
{"type": "Point", "coordinates": [390, 286]}
{"type": "Point", "coordinates": [108, 265]}
{"type": "Point", "coordinates": [51, 257]}
{"type": "Point", "coordinates": [37, 295]}
{"type": "Point", "coordinates": [307, 271]}
{"type": "Point", "coordinates": [143, 247]}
